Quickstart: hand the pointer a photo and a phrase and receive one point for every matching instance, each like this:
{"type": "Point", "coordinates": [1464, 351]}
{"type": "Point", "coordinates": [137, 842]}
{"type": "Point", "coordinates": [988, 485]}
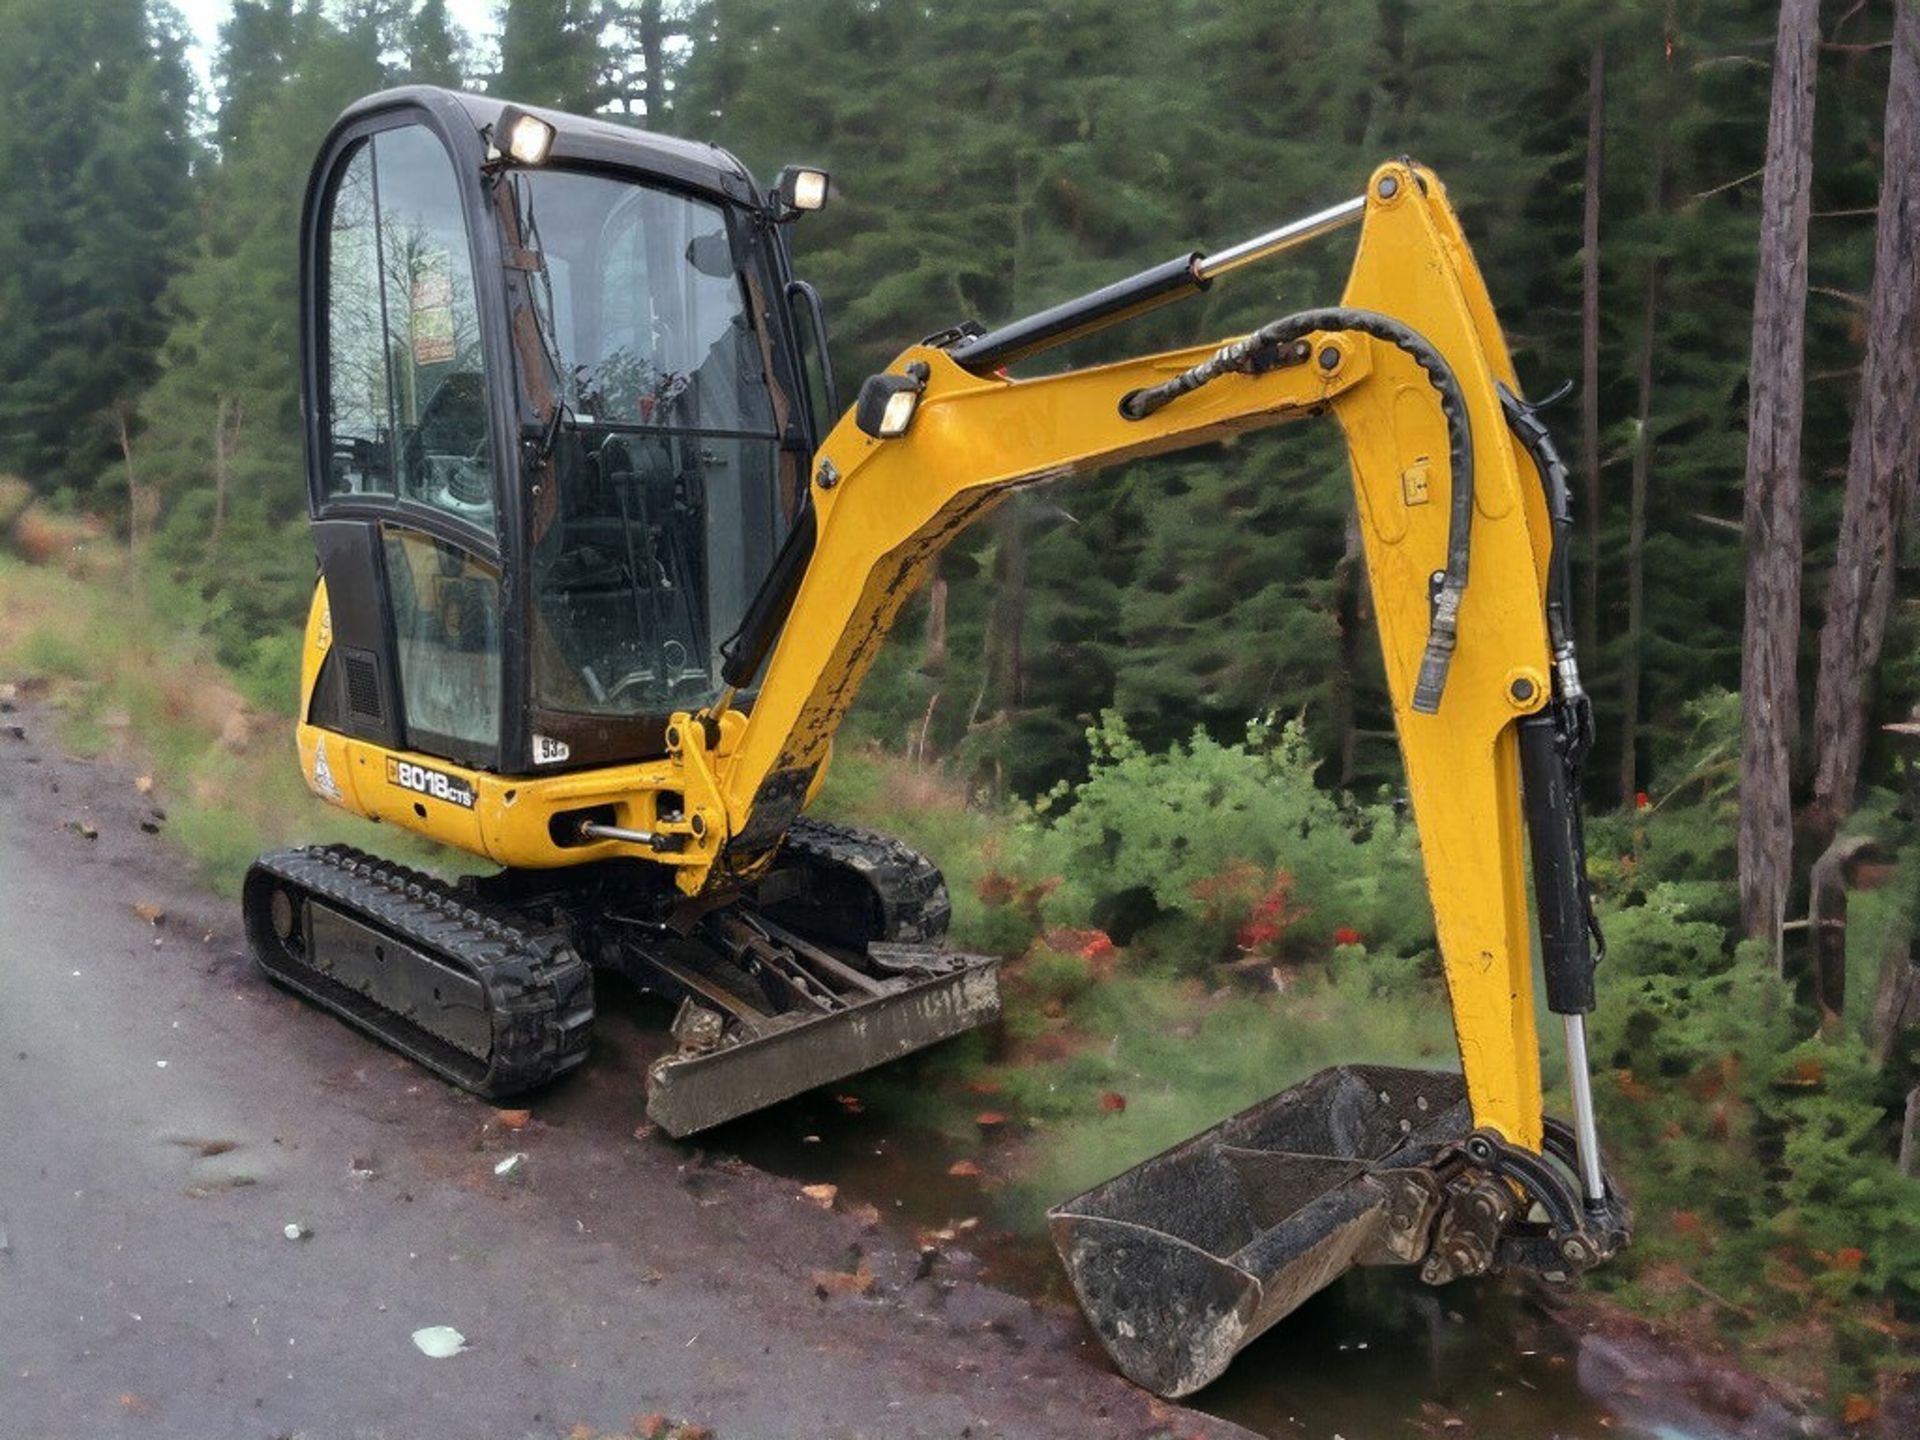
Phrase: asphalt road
{"type": "Point", "coordinates": [165, 1114]}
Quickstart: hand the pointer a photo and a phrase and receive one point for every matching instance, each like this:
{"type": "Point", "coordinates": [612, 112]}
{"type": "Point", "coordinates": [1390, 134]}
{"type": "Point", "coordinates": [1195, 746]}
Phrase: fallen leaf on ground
{"type": "Point", "coordinates": [839, 1282]}
{"type": "Point", "coordinates": [1112, 1100]}
{"type": "Point", "coordinates": [438, 1342]}
{"type": "Point", "coordinates": [512, 1163]}
{"type": "Point", "coordinates": [580, 1432]}
{"type": "Point", "coordinates": [152, 914]}
{"type": "Point", "coordinates": [868, 1216]}
{"type": "Point", "coordinates": [852, 1104]}
{"type": "Point", "coordinates": [144, 784]}
{"type": "Point", "coordinates": [513, 1119]}
{"type": "Point", "coordinates": [650, 1427]}
{"type": "Point", "coordinates": [963, 1169]}
{"type": "Point", "coordinates": [821, 1195]}
{"type": "Point", "coordinates": [988, 1119]}
{"type": "Point", "coordinates": [1857, 1410]}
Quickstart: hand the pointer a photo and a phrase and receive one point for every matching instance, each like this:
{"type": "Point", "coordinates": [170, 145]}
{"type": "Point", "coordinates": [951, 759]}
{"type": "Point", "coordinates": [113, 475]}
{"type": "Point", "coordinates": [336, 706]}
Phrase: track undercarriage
{"type": "Point", "coordinates": [833, 963]}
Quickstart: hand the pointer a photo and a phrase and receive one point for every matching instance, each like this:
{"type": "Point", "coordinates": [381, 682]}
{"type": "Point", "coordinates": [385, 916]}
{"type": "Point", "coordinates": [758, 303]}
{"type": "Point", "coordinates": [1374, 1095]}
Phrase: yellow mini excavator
{"type": "Point", "coordinates": [601, 568]}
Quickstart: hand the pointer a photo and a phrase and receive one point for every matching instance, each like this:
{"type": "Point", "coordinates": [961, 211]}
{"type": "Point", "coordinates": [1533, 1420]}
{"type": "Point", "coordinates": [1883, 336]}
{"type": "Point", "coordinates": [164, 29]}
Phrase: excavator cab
{"type": "Point", "coordinates": [561, 411]}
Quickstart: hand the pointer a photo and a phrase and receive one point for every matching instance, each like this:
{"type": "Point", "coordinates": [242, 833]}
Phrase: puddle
{"type": "Point", "coordinates": [1376, 1355]}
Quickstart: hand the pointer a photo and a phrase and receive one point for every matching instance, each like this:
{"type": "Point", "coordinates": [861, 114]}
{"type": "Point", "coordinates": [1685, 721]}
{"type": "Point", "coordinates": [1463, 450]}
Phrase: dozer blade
{"type": "Point", "coordinates": [1184, 1259]}
{"type": "Point", "coordinates": [737, 1058]}
{"type": "Point", "coordinates": [696, 1092]}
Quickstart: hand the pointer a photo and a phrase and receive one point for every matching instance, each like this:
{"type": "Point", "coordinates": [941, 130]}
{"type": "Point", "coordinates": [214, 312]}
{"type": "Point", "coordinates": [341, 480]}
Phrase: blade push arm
{"type": "Point", "coordinates": [1444, 493]}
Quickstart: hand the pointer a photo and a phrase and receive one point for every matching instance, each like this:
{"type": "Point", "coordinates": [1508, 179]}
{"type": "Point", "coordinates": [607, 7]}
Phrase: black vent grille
{"type": "Point", "coordinates": [363, 686]}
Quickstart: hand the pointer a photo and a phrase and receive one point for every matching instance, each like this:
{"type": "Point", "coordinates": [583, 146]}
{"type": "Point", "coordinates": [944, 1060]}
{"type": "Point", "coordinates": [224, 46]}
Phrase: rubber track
{"type": "Point", "coordinates": [539, 990]}
{"type": "Point", "coordinates": [909, 888]}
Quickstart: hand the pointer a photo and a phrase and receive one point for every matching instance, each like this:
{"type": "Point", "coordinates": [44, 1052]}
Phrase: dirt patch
{"type": "Point", "coordinates": [78, 544]}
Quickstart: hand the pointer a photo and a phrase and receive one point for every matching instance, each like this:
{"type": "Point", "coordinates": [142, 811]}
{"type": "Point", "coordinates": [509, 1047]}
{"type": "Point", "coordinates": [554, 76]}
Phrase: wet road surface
{"type": "Point", "coordinates": [165, 1114]}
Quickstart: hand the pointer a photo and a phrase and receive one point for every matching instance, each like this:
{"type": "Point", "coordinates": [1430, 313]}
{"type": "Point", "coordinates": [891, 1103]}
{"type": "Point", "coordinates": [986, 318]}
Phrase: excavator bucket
{"type": "Point", "coordinates": [1185, 1259]}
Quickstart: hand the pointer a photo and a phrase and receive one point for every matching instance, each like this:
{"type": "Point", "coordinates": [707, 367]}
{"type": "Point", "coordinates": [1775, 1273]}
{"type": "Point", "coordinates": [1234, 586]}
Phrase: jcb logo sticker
{"type": "Point", "coordinates": [424, 781]}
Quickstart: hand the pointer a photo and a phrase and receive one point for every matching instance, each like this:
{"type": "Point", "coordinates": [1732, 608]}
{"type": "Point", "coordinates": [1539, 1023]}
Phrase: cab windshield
{"type": "Point", "coordinates": [667, 510]}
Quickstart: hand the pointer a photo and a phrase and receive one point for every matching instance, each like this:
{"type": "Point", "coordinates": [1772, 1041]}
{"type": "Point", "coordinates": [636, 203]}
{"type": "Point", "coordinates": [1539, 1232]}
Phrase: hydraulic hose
{"type": "Point", "coordinates": [1451, 583]}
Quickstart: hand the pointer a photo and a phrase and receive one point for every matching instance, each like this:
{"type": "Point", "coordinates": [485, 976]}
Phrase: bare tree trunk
{"type": "Point", "coordinates": [1827, 898]}
{"type": "Point", "coordinates": [1896, 1002]}
{"type": "Point", "coordinates": [1637, 543]}
{"type": "Point", "coordinates": [1589, 622]}
{"type": "Point", "coordinates": [226, 439]}
{"type": "Point", "coordinates": [1006, 628]}
{"type": "Point", "coordinates": [933, 655]}
{"type": "Point", "coordinates": [1642, 465]}
{"type": "Point", "coordinates": [1910, 1131]}
{"type": "Point", "coordinates": [133, 482]}
{"type": "Point", "coordinates": [1769, 693]}
{"type": "Point", "coordinates": [652, 57]}
{"type": "Point", "coordinates": [1884, 450]}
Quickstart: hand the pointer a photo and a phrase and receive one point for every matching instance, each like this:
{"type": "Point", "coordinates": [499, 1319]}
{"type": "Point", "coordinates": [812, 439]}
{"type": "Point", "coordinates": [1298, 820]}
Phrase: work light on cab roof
{"type": "Point", "coordinates": [520, 137]}
{"type": "Point", "coordinates": [800, 188]}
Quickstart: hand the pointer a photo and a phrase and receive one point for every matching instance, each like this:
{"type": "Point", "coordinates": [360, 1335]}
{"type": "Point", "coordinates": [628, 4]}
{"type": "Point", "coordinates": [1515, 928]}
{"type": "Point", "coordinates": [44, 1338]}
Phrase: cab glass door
{"type": "Point", "coordinates": [408, 434]}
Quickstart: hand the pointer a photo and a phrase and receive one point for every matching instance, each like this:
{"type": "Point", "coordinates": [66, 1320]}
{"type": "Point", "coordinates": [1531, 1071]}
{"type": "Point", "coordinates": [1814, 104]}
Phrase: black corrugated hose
{"type": "Point", "coordinates": [1241, 354]}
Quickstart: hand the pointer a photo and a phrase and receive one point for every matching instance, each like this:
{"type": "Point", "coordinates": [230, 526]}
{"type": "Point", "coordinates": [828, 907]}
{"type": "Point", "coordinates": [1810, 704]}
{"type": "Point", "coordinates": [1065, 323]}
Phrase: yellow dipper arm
{"type": "Point", "coordinates": [885, 508]}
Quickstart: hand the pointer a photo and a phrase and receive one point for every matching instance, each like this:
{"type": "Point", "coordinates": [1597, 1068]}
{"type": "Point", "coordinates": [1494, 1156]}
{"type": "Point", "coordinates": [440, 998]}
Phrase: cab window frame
{"type": "Point", "coordinates": [464, 160]}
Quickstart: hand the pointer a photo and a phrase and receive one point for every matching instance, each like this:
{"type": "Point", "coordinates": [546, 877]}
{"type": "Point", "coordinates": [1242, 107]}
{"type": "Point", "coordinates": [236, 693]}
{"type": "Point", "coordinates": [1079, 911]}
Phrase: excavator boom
{"type": "Point", "coordinates": [1463, 512]}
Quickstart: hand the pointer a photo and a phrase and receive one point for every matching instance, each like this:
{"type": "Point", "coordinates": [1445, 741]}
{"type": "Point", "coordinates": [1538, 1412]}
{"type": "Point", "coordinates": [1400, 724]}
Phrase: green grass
{"type": "Point", "coordinates": [126, 683]}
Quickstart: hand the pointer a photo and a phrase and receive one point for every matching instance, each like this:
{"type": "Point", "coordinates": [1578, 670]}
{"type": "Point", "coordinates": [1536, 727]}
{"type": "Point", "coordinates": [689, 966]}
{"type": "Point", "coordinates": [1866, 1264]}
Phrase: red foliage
{"type": "Point", "coordinates": [1113, 1101]}
{"type": "Point", "coordinates": [1087, 944]}
{"type": "Point", "coordinates": [1260, 907]}
{"type": "Point", "coordinates": [1347, 935]}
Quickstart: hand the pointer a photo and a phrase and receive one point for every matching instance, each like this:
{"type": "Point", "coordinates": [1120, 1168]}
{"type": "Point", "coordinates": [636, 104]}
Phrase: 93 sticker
{"type": "Point", "coordinates": [425, 780]}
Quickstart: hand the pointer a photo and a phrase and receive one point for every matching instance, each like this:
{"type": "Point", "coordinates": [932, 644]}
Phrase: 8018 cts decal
{"type": "Point", "coordinates": [425, 780]}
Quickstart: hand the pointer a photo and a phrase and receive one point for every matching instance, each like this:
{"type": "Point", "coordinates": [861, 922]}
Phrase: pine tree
{"type": "Point", "coordinates": [89, 225]}
{"type": "Point", "coordinates": [436, 48]}
{"type": "Point", "coordinates": [258, 45]}
{"type": "Point", "coordinates": [550, 54]}
{"type": "Point", "coordinates": [224, 415]}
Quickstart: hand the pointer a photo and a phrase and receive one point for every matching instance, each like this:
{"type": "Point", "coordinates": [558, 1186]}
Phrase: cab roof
{"type": "Point", "coordinates": [580, 139]}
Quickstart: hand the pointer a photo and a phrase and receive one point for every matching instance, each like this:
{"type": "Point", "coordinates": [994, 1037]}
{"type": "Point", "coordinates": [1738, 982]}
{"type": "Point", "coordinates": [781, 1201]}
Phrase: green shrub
{"type": "Point", "coordinates": [1206, 833]}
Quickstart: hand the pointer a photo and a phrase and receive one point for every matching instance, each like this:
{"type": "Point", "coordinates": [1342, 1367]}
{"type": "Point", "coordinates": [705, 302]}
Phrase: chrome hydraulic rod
{"type": "Point", "coordinates": [593, 830]}
{"type": "Point", "coordinates": [1586, 1132]}
{"type": "Point", "coordinates": [1286, 237]}
{"type": "Point", "coordinates": [1172, 280]}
